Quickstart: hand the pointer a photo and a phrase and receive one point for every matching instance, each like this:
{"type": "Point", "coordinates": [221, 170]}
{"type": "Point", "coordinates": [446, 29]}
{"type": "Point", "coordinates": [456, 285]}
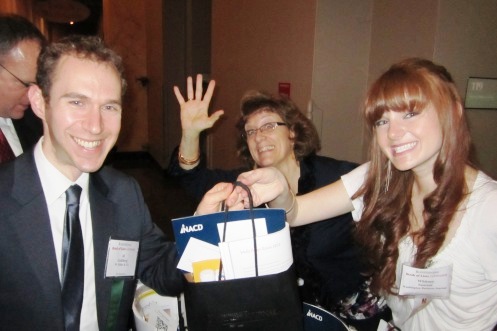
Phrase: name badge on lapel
{"type": "Point", "coordinates": [122, 256]}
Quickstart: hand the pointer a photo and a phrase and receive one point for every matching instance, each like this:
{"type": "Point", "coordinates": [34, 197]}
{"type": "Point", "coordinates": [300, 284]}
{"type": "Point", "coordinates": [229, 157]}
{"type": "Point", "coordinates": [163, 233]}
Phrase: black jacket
{"type": "Point", "coordinates": [30, 290]}
{"type": "Point", "coordinates": [29, 129]}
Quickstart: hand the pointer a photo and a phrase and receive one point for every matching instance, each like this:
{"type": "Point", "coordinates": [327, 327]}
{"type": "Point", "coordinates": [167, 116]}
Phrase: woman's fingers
{"type": "Point", "coordinates": [212, 200]}
{"type": "Point", "coordinates": [210, 91]}
{"type": "Point", "coordinates": [189, 88]}
{"type": "Point", "coordinates": [265, 184]}
{"type": "Point", "coordinates": [179, 96]}
{"type": "Point", "coordinates": [198, 88]}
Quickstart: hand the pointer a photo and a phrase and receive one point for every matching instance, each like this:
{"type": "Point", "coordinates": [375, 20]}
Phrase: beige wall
{"type": "Point", "coordinates": [155, 74]}
{"type": "Point", "coordinates": [124, 27]}
{"type": "Point", "coordinates": [401, 29]}
{"type": "Point", "coordinates": [340, 74]}
{"type": "Point", "coordinates": [255, 45]}
{"type": "Point", "coordinates": [462, 35]}
{"type": "Point", "coordinates": [466, 43]}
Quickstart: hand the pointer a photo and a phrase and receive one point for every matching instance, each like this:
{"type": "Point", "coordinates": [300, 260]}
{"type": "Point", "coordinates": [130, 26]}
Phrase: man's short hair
{"type": "Point", "coordinates": [84, 47]}
{"type": "Point", "coordinates": [14, 29]}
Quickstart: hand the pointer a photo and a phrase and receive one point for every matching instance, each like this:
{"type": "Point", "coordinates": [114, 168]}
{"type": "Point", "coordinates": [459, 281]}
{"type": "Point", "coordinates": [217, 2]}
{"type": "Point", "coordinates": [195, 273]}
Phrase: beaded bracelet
{"type": "Point", "coordinates": [184, 161]}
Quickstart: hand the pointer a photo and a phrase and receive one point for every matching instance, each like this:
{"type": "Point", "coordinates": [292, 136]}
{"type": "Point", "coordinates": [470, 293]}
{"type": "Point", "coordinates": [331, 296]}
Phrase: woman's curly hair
{"type": "Point", "coordinates": [306, 140]}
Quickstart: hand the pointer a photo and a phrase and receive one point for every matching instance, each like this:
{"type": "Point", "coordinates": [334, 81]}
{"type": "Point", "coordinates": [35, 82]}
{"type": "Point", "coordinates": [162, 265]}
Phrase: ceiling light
{"type": "Point", "coordinates": [62, 11]}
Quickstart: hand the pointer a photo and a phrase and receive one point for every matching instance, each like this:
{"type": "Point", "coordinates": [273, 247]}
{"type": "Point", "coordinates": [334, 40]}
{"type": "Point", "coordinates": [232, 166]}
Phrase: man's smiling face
{"type": "Point", "coordinates": [82, 117]}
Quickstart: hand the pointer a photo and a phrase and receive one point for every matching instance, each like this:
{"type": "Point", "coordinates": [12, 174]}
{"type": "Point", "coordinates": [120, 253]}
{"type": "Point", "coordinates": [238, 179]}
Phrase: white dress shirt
{"type": "Point", "coordinates": [54, 185]}
{"type": "Point", "coordinates": [10, 134]}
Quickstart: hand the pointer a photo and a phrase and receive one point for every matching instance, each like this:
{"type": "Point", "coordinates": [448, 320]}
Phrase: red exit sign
{"type": "Point", "coordinates": [284, 89]}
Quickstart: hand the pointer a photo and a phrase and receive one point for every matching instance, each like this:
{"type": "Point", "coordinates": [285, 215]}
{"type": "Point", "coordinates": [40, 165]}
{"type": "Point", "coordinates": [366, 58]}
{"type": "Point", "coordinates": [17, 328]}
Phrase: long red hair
{"type": "Point", "coordinates": [411, 85]}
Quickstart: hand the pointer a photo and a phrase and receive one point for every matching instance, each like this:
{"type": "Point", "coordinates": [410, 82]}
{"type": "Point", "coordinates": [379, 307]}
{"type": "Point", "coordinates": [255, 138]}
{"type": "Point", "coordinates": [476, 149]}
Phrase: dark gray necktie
{"type": "Point", "coordinates": [73, 261]}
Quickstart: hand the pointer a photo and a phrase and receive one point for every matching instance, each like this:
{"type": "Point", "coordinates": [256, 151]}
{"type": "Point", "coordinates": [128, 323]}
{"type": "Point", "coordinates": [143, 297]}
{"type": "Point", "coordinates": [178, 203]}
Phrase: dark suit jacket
{"type": "Point", "coordinates": [30, 291]}
{"type": "Point", "coordinates": [29, 129]}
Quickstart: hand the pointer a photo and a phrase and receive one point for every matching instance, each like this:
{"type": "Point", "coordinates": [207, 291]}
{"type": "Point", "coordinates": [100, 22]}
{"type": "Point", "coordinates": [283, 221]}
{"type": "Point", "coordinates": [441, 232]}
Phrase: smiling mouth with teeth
{"type": "Point", "coordinates": [266, 148]}
{"type": "Point", "coordinates": [87, 144]}
{"type": "Point", "coordinates": [403, 148]}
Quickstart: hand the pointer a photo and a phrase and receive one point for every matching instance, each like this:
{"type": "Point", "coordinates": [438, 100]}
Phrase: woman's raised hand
{"type": "Point", "coordinates": [195, 109]}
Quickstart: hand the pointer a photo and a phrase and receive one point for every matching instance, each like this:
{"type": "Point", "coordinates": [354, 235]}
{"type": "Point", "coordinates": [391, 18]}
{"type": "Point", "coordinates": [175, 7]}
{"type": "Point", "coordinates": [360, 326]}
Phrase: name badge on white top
{"type": "Point", "coordinates": [432, 282]}
{"type": "Point", "coordinates": [121, 258]}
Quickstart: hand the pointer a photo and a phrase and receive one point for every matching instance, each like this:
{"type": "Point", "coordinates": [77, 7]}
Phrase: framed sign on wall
{"type": "Point", "coordinates": [481, 93]}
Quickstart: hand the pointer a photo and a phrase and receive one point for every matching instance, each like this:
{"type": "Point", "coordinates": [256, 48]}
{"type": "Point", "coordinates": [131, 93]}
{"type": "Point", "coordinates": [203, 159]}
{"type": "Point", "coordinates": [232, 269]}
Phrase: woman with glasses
{"type": "Point", "coordinates": [274, 133]}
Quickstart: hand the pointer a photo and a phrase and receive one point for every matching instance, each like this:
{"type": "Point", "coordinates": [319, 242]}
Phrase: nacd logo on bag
{"type": "Point", "coordinates": [315, 316]}
{"type": "Point", "coordinates": [191, 228]}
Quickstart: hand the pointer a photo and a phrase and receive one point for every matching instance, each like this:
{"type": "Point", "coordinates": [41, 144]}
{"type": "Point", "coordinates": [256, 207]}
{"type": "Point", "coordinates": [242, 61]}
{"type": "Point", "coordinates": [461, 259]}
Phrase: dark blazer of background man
{"type": "Point", "coordinates": [29, 129]}
{"type": "Point", "coordinates": [20, 44]}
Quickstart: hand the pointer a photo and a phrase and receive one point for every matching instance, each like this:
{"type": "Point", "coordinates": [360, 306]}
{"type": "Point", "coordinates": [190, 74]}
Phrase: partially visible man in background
{"type": "Point", "coordinates": [20, 44]}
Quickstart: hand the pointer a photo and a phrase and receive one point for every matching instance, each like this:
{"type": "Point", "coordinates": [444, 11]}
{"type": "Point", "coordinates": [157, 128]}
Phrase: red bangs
{"type": "Point", "coordinates": [399, 91]}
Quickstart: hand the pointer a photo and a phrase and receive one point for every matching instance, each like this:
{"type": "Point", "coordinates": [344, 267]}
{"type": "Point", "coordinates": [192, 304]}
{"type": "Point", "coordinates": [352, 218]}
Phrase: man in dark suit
{"type": "Point", "coordinates": [20, 44]}
{"type": "Point", "coordinates": [78, 98]}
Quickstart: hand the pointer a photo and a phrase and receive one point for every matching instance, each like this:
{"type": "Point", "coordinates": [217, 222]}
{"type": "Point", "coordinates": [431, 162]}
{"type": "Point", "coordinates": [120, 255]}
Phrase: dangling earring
{"type": "Point", "coordinates": [389, 175]}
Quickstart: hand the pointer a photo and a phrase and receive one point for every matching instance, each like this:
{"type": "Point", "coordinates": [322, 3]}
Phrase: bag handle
{"type": "Point", "coordinates": [251, 207]}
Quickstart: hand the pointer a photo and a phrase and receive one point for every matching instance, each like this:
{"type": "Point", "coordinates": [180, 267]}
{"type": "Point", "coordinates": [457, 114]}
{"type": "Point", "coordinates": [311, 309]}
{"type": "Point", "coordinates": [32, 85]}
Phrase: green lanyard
{"type": "Point", "coordinates": [115, 302]}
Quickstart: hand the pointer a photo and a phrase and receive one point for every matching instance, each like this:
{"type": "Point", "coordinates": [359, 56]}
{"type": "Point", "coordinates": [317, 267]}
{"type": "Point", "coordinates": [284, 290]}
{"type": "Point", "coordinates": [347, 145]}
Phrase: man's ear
{"type": "Point", "coordinates": [37, 101]}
